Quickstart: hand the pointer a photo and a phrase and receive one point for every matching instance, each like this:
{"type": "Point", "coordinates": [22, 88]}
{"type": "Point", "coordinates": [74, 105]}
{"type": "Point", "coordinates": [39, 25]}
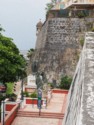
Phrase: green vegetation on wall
{"type": "Point", "coordinates": [30, 52]}
{"type": "Point", "coordinates": [50, 5]}
{"type": "Point", "coordinates": [82, 14]}
{"type": "Point", "coordinates": [82, 42]}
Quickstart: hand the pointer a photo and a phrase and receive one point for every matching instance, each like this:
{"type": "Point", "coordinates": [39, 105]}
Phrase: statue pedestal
{"type": "Point", "coordinates": [31, 81]}
{"type": "Point", "coordinates": [31, 84]}
{"type": "Point", "coordinates": [29, 89]}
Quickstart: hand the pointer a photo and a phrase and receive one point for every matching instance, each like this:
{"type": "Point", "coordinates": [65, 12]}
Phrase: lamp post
{"type": "Point", "coordinates": [22, 89]}
{"type": "Point", "coordinates": [22, 93]}
{"type": "Point", "coordinates": [3, 112]}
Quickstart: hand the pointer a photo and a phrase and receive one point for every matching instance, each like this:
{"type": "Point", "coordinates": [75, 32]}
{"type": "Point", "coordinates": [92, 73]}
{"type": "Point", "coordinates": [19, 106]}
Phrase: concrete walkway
{"type": "Point", "coordinates": [56, 105]}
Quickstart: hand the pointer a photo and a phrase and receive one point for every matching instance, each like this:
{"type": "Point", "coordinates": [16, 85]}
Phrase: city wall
{"type": "Point", "coordinates": [59, 44]}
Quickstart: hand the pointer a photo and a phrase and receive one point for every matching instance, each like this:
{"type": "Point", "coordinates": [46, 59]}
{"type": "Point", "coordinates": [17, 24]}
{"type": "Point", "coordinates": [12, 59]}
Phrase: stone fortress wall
{"type": "Point", "coordinates": [42, 36]}
{"type": "Point", "coordinates": [80, 103]}
{"type": "Point", "coordinates": [58, 45]}
{"type": "Point", "coordinates": [60, 31]}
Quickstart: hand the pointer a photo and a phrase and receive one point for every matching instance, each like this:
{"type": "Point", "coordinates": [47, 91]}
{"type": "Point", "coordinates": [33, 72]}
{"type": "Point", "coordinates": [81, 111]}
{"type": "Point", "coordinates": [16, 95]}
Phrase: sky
{"type": "Point", "coordinates": [19, 19]}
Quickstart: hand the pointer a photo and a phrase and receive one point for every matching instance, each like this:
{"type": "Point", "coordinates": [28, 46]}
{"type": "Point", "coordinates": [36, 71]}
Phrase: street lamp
{"type": "Point", "coordinates": [3, 111]}
{"type": "Point", "coordinates": [22, 97]}
{"type": "Point", "coordinates": [22, 89]}
{"type": "Point", "coordinates": [2, 92]}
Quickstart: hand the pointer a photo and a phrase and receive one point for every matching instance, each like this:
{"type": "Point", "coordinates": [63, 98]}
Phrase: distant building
{"type": "Point", "coordinates": [59, 6]}
{"type": "Point", "coordinates": [79, 4]}
{"type": "Point", "coordinates": [72, 8]}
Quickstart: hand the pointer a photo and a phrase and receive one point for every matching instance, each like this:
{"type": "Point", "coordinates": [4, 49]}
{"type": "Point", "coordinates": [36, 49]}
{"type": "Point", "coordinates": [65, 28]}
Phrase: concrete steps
{"type": "Point", "coordinates": [40, 115]}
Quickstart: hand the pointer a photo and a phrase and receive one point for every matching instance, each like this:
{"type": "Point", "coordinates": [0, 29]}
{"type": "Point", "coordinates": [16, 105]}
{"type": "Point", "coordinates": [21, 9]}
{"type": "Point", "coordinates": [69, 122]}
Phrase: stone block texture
{"type": "Point", "coordinates": [80, 102]}
{"type": "Point", "coordinates": [58, 46]}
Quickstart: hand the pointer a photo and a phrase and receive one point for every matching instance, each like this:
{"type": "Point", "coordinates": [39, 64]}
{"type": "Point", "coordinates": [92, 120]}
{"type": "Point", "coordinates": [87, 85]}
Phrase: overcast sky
{"type": "Point", "coordinates": [19, 19]}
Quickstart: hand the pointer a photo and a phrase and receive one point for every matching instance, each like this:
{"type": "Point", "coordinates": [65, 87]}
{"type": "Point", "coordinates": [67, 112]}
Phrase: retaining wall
{"type": "Point", "coordinates": [80, 102]}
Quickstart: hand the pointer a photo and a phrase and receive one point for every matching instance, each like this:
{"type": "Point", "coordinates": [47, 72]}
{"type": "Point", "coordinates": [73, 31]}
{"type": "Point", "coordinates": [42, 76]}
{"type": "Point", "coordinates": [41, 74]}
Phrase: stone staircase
{"type": "Point", "coordinates": [40, 115]}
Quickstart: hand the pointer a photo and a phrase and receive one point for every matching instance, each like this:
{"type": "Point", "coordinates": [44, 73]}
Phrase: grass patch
{"type": "Point", "coordinates": [10, 88]}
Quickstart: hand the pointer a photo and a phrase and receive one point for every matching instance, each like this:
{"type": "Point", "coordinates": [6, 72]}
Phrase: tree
{"type": "Point", "coordinates": [50, 5]}
{"type": "Point", "coordinates": [30, 52]}
{"type": "Point", "coordinates": [65, 82]}
{"type": "Point", "coordinates": [12, 64]}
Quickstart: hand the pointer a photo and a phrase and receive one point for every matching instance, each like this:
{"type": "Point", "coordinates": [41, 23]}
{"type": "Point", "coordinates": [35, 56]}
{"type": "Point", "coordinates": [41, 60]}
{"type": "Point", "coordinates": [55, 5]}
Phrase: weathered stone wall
{"type": "Point", "coordinates": [58, 45]}
{"type": "Point", "coordinates": [42, 36]}
{"type": "Point", "coordinates": [80, 104]}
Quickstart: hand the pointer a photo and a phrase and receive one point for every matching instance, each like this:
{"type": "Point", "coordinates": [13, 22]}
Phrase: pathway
{"type": "Point", "coordinates": [56, 105]}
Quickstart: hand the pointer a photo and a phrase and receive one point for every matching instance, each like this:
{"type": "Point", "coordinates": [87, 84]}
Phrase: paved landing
{"type": "Point", "coordinates": [56, 105]}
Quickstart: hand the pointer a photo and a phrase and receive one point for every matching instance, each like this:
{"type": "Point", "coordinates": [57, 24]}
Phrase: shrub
{"type": "Point", "coordinates": [49, 85]}
{"type": "Point", "coordinates": [81, 14]}
{"type": "Point", "coordinates": [26, 94]}
{"type": "Point", "coordinates": [12, 97]}
{"type": "Point", "coordinates": [65, 82]}
{"type": "Point", "coordinates": [52, 85]}
{"type": "Point", "coordinates": [92, 30]}
{"type": "Point", "coordinates": [34, 95]}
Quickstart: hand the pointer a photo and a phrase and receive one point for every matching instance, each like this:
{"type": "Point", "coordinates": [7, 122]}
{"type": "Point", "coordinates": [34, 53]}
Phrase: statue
{"type": "Point", "coordinates": [44, 77]}
{"type": "Point", "coordinates": [40, 77]}
{"type": "Point", "coordinates": [39, 81]}
{"type": "Point", "coordinates": [34, 67]}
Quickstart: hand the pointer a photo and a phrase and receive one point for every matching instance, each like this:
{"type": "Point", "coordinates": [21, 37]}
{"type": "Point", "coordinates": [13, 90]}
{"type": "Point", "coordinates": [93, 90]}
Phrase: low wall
{"type": "Point", "coordinates": [31, 101]}
{"type": "Point", "coordinates": [9, 107]}
{"type": "Point", "coordinates": [12, 108]}
{"type": "Point", "coordinates": [60, 91]}
{"type": "Point", "coordinates": [11, 116]}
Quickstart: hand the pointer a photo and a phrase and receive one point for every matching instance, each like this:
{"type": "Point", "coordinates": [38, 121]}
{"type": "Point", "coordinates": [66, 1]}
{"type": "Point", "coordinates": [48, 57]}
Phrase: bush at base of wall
{"type": "Point", "coordinates": [65, 82]}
